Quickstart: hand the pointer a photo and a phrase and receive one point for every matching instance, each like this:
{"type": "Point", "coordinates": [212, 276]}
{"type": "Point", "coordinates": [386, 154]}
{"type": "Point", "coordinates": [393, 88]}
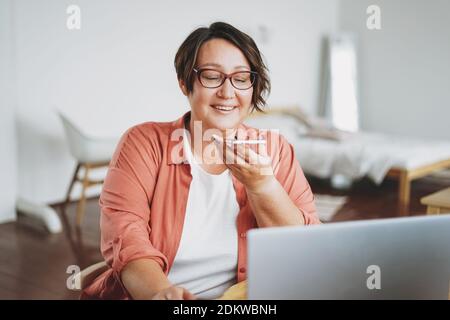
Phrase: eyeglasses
{"type": "Point", "coordinates": [241, 80]}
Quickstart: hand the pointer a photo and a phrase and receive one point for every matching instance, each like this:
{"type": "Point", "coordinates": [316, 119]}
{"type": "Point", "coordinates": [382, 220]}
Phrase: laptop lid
{"type": "Point", "coordinates": [399, 258]}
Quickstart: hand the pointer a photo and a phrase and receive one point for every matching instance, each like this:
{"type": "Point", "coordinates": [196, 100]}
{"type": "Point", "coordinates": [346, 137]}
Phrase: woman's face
{"type": "Point", "coordinates": [221, 55]}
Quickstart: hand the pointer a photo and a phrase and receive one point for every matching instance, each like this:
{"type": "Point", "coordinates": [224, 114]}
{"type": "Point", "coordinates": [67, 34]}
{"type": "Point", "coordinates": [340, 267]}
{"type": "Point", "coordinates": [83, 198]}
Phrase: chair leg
{"type": "Point", "coordinates": [82, 203]}
{"type": "Point", "coordinates": [72, 182]}
{"type": "Point", "coordinates": [404, 192]}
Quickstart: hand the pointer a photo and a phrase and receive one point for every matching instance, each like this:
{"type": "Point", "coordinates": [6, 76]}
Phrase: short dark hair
{"type": "Point", "coordinates": [187, 53]}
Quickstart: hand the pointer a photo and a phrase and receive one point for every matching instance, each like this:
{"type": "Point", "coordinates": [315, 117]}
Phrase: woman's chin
{"type": "Point", "coordinates": [225, 123]}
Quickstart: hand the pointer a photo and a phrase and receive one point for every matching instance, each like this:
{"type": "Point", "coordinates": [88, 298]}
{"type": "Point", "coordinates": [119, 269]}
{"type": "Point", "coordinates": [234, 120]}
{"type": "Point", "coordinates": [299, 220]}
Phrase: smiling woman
{"type": "Point", "coordinates": [174, 227]}
{"type": "Point", "coordinates": [215, 101]}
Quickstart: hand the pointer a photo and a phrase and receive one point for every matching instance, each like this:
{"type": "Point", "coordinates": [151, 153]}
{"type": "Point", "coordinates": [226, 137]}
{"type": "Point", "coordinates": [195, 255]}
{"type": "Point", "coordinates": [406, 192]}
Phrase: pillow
{"type": "Point", "coordinates": [286, 125]}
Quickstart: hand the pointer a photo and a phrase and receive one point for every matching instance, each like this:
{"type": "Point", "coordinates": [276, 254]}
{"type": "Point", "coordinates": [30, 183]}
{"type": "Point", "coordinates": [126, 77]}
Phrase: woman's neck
{"type": "Point", "coordinates": [202, 148]}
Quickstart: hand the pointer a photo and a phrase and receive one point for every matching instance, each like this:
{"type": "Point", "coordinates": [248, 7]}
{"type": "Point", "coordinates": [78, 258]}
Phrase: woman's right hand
{"type": "Point", "coordinates": [174, 293]}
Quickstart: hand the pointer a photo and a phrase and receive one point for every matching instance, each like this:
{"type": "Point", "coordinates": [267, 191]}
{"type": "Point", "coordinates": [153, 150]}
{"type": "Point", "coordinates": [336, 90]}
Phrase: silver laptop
{"type": "Point", "coordinates": [399, 258]}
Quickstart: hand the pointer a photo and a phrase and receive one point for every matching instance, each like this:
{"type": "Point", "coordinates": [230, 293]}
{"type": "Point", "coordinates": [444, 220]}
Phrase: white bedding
{"type": "Point", "coordinates": [363, 154]}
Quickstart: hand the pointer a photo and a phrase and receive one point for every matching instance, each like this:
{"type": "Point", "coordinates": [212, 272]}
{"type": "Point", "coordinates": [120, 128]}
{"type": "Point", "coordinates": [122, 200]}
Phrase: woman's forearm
{"type": "Point", "coordinates": [143, 278]}
{"type": "Point", "coordinates": [273, 207]}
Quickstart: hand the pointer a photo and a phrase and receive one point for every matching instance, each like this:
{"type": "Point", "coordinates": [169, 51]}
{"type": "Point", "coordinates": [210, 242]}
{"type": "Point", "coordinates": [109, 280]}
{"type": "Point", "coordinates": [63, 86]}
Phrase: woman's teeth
{"type": "Point", "coordinates": [224, 108]}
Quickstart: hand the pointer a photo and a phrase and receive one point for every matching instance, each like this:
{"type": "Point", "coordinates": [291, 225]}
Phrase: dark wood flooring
{"type": "Point", "coordinates": [33, 263]}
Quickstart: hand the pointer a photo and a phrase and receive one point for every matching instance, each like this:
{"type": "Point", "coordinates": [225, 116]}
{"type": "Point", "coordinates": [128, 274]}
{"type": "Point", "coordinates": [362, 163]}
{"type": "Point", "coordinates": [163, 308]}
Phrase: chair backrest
{"type": "Point", "coordinates": [84, 148]}
{"type": "Point", "coordinates": [74, 136]}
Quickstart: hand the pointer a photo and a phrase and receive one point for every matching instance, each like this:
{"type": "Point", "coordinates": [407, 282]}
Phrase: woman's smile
{"type": "Point", "coordinates": [225, 109]}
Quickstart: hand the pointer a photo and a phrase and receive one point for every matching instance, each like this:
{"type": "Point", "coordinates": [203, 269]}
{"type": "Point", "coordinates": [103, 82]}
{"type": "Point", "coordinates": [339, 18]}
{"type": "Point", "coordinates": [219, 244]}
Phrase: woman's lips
{"type": "Point", "coordinates": [223, 109]}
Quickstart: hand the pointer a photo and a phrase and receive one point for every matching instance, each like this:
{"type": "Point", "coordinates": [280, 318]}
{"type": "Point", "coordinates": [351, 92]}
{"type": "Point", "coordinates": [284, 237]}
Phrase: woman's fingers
{"type": "Point", "coordinates": [188, 296]}
{"type": "Point", "coordinates": [174, 293]}
{"type": "Point", "coordinates": [241, 155]}
{"type": "Point", "coordinates": [247, 154]}
{"type": "Point", "coordinates": [227, 151]}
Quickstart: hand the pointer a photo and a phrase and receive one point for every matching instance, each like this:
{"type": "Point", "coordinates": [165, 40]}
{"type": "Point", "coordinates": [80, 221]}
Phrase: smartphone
{"type": "Point", "coordinates": [247, 141]}
{"type": "Point", "coordinates": [241, 141]}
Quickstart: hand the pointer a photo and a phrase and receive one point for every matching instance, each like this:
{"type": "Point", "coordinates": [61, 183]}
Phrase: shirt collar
{"type": "Point", "coordinates": [176, 134]}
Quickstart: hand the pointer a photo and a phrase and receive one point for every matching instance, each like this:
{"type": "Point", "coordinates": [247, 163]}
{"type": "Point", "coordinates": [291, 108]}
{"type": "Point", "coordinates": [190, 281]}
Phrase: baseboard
{"type": "Point", "coordinates": [8, 218]}
{"type": "Point", "coordinates": [8, 214]}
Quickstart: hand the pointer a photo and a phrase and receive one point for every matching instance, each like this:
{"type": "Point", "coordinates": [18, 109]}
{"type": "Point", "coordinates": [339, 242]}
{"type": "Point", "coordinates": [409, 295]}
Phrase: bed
{"type": "Point", "coordinates": [324, 152]}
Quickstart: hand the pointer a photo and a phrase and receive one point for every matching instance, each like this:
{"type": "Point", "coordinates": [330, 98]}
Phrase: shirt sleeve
{"type": "Point", "coordinates": [125, 202]}
{"type": "Point", "coordinates": [289, 173]}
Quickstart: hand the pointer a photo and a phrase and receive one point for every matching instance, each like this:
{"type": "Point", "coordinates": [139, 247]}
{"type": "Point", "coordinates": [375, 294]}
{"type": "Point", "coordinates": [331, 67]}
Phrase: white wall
{"type": "Point", "coordinates": [404, 67]}
{"type": "Point", "coordinates": [118, 69]}
{"type": "Point", "coordinates": [8, 165]}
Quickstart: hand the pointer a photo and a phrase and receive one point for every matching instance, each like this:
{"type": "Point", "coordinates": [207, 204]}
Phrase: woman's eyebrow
{"type": "Point", "coordinates": [211, 64]}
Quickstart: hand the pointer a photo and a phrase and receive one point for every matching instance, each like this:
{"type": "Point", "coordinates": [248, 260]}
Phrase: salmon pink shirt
{"type": "Point", "coordinates": [144, 197]}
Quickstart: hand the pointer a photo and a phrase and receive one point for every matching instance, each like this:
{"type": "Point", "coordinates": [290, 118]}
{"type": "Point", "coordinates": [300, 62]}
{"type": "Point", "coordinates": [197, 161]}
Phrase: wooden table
{"type": "Point", "coordinates": [438, 202]}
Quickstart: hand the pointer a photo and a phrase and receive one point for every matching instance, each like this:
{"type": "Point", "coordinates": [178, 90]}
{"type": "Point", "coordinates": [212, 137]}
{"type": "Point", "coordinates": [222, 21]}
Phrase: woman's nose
{"type": "Point", "coordinates": [226, 90]}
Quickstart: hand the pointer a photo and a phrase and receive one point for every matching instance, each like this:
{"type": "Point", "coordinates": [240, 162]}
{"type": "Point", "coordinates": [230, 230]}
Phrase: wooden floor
{"type": "Point", "coordinates": [33, 263]}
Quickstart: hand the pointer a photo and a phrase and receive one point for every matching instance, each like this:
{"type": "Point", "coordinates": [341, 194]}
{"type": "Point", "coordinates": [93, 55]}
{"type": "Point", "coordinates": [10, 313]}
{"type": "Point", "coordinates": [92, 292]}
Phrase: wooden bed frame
{"type": "Point", "coordinates": [405, 176]}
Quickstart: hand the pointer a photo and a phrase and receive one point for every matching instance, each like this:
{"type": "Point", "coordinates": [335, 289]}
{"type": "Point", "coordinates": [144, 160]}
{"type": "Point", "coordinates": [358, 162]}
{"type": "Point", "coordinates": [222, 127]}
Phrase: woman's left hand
{"type": "Point", "coordinates": [252, 168]}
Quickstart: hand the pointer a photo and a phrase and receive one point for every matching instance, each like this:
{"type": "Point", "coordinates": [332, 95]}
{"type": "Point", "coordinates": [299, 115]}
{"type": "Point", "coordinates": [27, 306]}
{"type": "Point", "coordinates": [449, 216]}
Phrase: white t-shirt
{"type": "Point", "coordinates": [206, 260]}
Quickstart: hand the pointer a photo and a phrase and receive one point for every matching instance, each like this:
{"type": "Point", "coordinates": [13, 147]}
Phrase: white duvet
{"type": "Point", "coordinates": [362, 154]}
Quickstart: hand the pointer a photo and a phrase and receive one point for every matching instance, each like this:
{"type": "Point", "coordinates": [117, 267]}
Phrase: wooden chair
{"type": "Point", "coordinates": [86, 182]}
{"type": "Point", "coordinates": [88, 275]}
{"type": "Point", "coordinates": [90, 153]}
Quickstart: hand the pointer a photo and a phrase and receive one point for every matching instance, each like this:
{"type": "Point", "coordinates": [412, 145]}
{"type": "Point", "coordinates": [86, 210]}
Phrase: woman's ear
{"type": "Point", "coordinates": [183, 88]}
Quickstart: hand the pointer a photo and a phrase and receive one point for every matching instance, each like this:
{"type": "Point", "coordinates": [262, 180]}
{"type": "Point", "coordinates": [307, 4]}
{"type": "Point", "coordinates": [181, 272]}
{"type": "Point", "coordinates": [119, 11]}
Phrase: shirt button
{"type": "Point", "coordinates": [242, 270]}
